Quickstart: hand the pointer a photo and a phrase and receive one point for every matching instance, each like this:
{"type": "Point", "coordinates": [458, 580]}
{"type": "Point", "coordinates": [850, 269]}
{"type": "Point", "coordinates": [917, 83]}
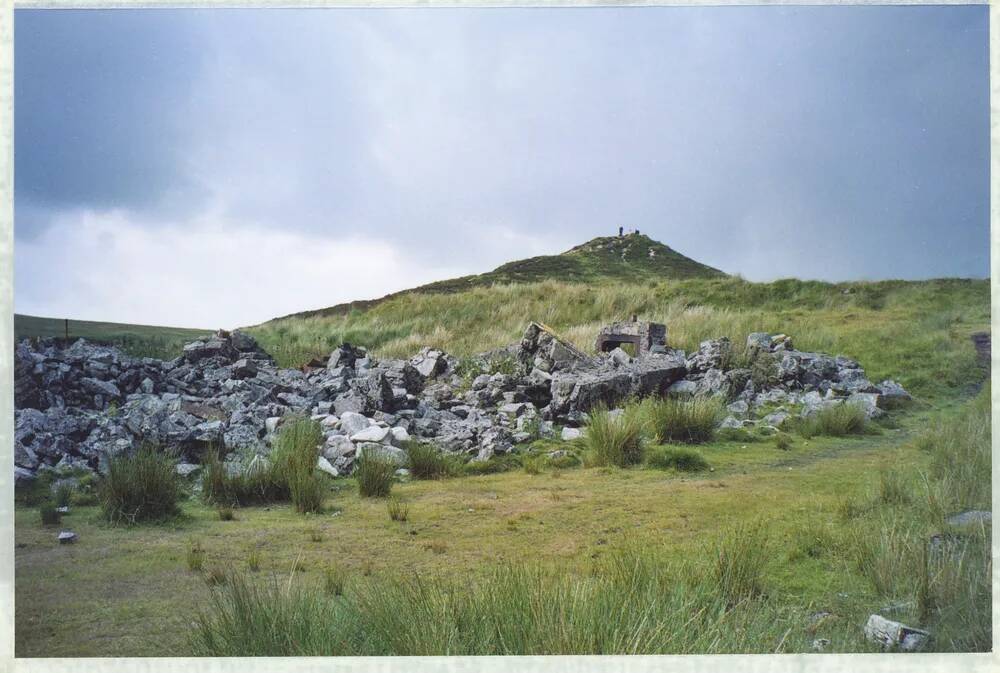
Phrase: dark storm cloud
{"type": "Point", "coordinates": [821, 142]}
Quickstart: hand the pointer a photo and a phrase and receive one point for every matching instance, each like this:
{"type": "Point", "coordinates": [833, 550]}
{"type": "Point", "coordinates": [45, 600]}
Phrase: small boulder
{"type": "Point", "coordinates": [67, 537]}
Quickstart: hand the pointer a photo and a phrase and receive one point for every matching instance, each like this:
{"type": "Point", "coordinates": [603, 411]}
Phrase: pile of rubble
{"type": "Point", "coordinates": [79, 404]}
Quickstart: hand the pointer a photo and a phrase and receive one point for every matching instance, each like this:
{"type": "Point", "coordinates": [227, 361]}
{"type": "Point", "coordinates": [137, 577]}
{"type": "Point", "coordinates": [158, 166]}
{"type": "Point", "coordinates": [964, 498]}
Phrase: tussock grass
{"type": "Point", "coordinates": [691, 421]}
{"type": "Point", "coordinates": [142, 486]}
{"type": "Point", "coordinates": [615, 439]}
{"type": "Point", "coordinates": [680, 458]}
{"type": "Point", "coordinates": [836, 421]}
{"type": "Point", "coordinates": [49, 515]}
{"type": "Point", "coordinates": [374, 474]}
{"type": "Point", "coordinates": [739, 558]}
{"type": "Point", "coordinates": [397, 509]}
{"type": "Point", "coordinates": [195, 557]}
{"type": "Point", "coordinates": [633, 604]}
{"type": "Point", "coordinates": [426, 461]}
{"type": "Point", "coordinates": [226, 514]}
{"type": "Point", "coordinates": [288, 473]}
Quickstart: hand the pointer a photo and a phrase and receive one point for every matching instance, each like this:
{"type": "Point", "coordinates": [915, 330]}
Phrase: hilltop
{"type": "Point", "coordinates": [632, 257]}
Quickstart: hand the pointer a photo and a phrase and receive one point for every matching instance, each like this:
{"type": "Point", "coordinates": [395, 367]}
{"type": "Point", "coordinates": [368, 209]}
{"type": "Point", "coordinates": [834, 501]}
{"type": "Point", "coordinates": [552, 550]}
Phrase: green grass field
{"type": "Point", "coordinates": [140, 340]}
{"type": "Point", "coordinates": [128, 591]}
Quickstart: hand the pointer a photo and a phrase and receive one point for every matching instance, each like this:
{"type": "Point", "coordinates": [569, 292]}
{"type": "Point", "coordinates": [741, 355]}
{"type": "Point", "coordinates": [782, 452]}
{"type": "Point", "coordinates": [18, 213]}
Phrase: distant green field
{"type": "Point", "coordinates": [139, 340]}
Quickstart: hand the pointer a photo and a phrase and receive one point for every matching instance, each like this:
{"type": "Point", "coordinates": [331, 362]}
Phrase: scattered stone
{"type": "Point", "coordinates": [569, 434]}
{"type": "Point", "coordinates": [893, 635]}
{"type": "Point", "coordinates": [186, 469]}
{"type": "Point", "coordinates": [67, 537]}
{"type": "Point", "coordinates": [972, 517]}
{"type": "Point", "coordinates": [820, 644]}
{"type": "Point", "coordinates": [324, 465]}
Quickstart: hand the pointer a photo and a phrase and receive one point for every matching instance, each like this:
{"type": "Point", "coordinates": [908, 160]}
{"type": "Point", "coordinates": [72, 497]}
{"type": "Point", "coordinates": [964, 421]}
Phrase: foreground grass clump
{"type": "Point", "coordinates": [426, 461]}
{"type": "Point", "coordinates": [739, 560]}
{"type": "Point", "coordinates": [142, 486]}
{"type": "Point", "coordinates": [681, 459]}
{"type": "Point", "coordinates": [902, 545]}
{"type": "Point", "coordinates": [49, 514]}
{"type": "Point", "coordinates": [633, 603]}
{"type": "Point", "coordinates": [615, 438]}
{"type": "Point", "coordinates": [288, 473]}
{"type": "Point", "coordinates": [294, 453]}
{"type": "Point", "coordinates": [836, 421]}
{"type": "Point", "coordinates": [374, 474]}
{"type": "Point", "coordinates": [692, 421]}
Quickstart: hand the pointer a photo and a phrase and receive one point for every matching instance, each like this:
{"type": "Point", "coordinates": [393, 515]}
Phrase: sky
{"type": "Point", "coordinates": [217, 168]}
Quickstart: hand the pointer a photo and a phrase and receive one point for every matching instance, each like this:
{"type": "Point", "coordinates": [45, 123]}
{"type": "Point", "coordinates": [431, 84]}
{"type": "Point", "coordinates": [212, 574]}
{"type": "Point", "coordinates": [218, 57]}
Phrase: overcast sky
{"type": "Point", "coordinates": [221, 167]}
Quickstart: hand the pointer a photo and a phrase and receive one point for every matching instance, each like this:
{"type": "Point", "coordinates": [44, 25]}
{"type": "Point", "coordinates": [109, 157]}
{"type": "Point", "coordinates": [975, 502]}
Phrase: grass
{"type": "Point", "coordinates": [374, 474]}
{"type": "Point", "coordinates": [49, 515]}
{"type": "Point", "coordinates": [137, 340]}
{"type": "Point", "coordinates": [426, 461]}
{"type": "Point", "coordinates": [334, 580]}
{"type": "Point", "coordinates": [226, 514]}
{"type": "Point", "coordinates": [836, 421]}
{"type": "Point", "coordinates": [253, 560]}
{"type": "Point", "coordinates": [139, 487]}
{"type": "Point", "coordinates": [915, 332]}
{"type": "Point", "coordinates": [615, 439]}
{"type": "Point", "coordinates": [739, 557]}
{"type": "Point", "coordinates": [288, 473]}
{"type": "Point", "coordinates": [676, 458]}
{"type": "Point", "coordinates": [597, 515]}
{"type": "Point", "coordinates": [691, 421]}
{"type": "Point", "coordinates": [398, 510]}
{"type": "Point", "coordinates": [195, 557]}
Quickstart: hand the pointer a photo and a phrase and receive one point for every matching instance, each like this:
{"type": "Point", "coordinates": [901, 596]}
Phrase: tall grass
{"type": "Point", "coordinates": [288, 473]}
{"type": "Point", "coordinates": [634, 603]}
{"type": "Point", "coordinates": [926, 321]}
{"type": "Point", "coordinates": [426, 461]}
{"type": "Point", "coordinates": [681, 458]}
{"type": "Point", "coordinates": [615, 439]}
{"type": "Point", "coordinates": [374, 474]}
{"type": "Point", "coordinates": [142, 486]}
{"type": "Point", "coordinates": [836, 421]}
{"type": "Point", "coordinates": [903, 547]}
{"type": "Point", "coordinates": [691, 421]}
{"type": "Point", "coordinates": [739, 558]}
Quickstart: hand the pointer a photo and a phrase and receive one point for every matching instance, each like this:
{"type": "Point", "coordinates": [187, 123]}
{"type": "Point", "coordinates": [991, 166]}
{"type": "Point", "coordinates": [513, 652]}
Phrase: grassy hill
{"type": "Point", "coordinates": [145, 340]}
{"type": "Point", "coordinates": [633, 258]}
{"type": "Point", "coordinates": [915, 331]}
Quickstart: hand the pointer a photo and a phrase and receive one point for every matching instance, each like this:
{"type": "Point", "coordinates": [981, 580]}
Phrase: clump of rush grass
{"type": "Point", "coordinates": [691, 421]}
{"type": "Point", "coordinates": [374, 474]}
{"type": "Point", "coordinates": [64, 494]}
{"type": "Point", "coordinates": [681, 459]}
{"type": "Point", "coordinates": [839, 420]}
{"type": "Point", "coordinates": [315, 535]}
{"type": "Point", "coordinates": [253, 559]}
{"type": "Point", "coordinates": [226, 514]}
{"type": "Point", "coordinates": [397, 509]}
{"type": "Point", "coordinates": [334, 580]}
{"type": "Point", "coordinates": [615, 438]}
{"type": "Point", "coordinates": [195, 556]}
{"type": "Point", "coordinates": [294, 454]}
{"type": "Point", "coordinates": [633, 603]}
{"type": "Point", "coordinates": [426, 461]}
{"type": "Point", "coordinates": [739, 559]}
{"type": "Point", "coordinates": [892, 489]}
{"type": "Point", "coordinates": [49, 514]}
{"type": "Point", "coordinates": [142, 486]}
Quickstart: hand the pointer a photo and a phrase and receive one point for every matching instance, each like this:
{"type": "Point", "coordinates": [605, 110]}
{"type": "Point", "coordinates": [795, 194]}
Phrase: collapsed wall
{"type": "Point", "coordinates": [77, 405]}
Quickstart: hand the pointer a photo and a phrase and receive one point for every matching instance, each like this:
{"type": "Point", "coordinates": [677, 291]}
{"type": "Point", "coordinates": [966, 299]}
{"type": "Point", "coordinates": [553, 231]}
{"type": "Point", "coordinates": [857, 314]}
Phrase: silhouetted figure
{"type": "Point", "coordinates": [621, 231]}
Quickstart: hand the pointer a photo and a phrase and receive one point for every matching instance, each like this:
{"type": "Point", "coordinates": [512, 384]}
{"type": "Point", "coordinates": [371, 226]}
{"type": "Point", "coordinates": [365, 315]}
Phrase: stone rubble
{"type": "Point", "coordinates": [79, 404]}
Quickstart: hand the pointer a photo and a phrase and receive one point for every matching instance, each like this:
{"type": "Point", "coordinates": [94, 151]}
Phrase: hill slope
{"type": "Point", "coordinates": [634, 257]}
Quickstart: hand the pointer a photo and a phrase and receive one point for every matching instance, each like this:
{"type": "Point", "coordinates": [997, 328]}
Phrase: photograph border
{"type": "Point", "coordinates": [971, 663]}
